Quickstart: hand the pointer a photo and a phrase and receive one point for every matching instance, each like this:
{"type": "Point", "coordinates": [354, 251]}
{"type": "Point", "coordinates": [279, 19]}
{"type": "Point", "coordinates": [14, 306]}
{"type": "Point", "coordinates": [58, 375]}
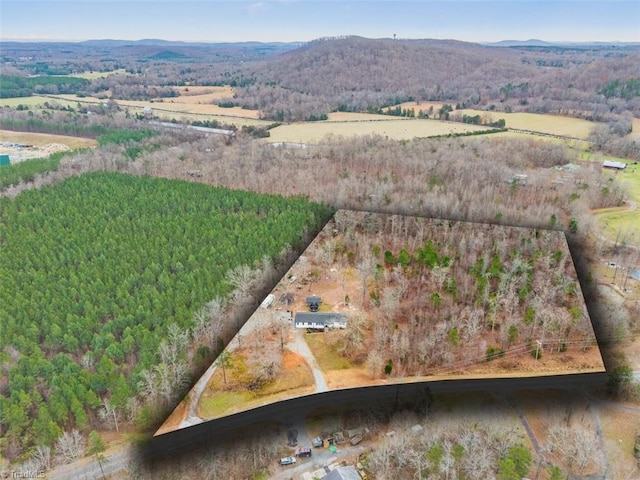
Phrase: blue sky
{"type": "Point", "coordinates": [303, 20]}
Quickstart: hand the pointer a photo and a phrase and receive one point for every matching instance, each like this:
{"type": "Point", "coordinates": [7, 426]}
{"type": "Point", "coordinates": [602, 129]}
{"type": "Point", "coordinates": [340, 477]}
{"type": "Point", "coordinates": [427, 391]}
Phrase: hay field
{"type": "Point", "coordinates": [174, 105]}
{"type": "Point", "coordinates": [42, 139]}
{"type": "Point", "coordinates": [580, 145]}
{"type": "Point", "coordinates": [357, 117]}
{"type": "Point", "coordinates": [551, 124]}
{"type": "Point", "coordinates": [199, 90]}
{"type": "Point", "coordinates": [312, 132]}
{"type": "Point", "coordinates": [36, 102]}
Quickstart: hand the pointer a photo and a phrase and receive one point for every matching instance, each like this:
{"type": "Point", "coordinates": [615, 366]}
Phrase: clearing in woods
{"type": "Point", "coordinates": [179, 108]}
{"type": "Point", "coordinates": [622, 224]}
{"type": "Point", "coordinates": [25, 145]}
{"type": "Point", "coordinates": [423, 300]}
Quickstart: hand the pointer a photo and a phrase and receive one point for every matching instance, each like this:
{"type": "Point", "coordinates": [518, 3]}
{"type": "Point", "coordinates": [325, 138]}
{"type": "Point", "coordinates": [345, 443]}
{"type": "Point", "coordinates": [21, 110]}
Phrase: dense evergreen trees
{"type": "Point", "coordinates": [96, 269]}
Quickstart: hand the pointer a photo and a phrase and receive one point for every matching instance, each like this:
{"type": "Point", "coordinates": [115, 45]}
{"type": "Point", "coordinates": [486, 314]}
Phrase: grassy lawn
{"type": "Point", "coordinates": [222, 403]}
{"type": "Point", "coordinates": [620, 221]}
{"type": "Point", "coordinates": [325, 351]}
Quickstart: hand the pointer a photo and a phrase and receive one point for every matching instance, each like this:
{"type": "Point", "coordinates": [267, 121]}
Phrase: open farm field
{"type": "Point", "coordinates": [40, 140]}
{"type": "Point", "coordinates": [37, 101]}
{"type": "Point", "coordinates": [173, 106]}
{"type": "Point", "coordinates": [580, 145]}
{"type": "Point", "coordinates": [405, 129]}
{"type": "Point", "coordinates": [95, 75]}
{"type": "Point", "coordinates": [198, 93]}
{"type": "Point", "coordinates": [550, 124]}
{"type": "Point", "coordinates": [356, 117]}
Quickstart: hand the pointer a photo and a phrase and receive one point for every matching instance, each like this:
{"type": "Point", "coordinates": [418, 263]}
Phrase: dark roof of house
{"type": "Point", "coordinates": [343, 473]}
{"type": "Point", "coordinates": [313, 299]}
{"type": "Point", "coordinates": [323, 318]}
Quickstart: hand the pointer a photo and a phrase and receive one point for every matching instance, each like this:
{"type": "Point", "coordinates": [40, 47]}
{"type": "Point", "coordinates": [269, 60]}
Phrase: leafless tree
{"type": "Point", "coordinates": [70, 446]}
{"type": "Point", "coordinates": [108, 414]}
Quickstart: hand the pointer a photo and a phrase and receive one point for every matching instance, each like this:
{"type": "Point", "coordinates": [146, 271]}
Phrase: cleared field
{"type": "Point", "coordinates": [34, 102]}
{"type": "Point", "coordinates": [43, 139]}
{"type": "Point", "coordinates": [173, 105]}
{"type": "Point", "coordinates": [581, 145]}
{"type": "Point", "coordinates": [394, 129]}
{"type": "Point", "coordinates": [94, 75]}
{"type": "Point", "coordinates": [624, 222]}
{"type": "Point", "coordinates": [215, 93]}
{"type": "Point", "coordinates": [551, 124]}
{"type": "Point", "coordinates": [356, 117]}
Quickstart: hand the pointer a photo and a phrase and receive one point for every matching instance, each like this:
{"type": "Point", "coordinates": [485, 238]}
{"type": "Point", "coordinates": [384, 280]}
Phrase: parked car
{"type": "Point", "coordinates": [317, 442]}
{"type": "Point", "coordinates": [287, 461]}
{"type": "Point", "coordinates": [303, 452]}
{"type": "Point", "coordinates": [356, 439]}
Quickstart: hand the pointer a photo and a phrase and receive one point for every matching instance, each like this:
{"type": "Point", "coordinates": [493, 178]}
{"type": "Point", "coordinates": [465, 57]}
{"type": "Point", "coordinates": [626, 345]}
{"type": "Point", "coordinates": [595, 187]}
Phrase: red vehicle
{"type": "Point", "coordinates": [303, 452]}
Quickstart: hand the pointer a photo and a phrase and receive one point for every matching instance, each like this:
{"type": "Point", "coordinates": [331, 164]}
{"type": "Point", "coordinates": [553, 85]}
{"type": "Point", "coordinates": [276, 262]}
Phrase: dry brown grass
{"type": "Point", "coordinates": [41, 139]}
{"type": "Point", "coordinates": [551, 124]}
{"type": "Point", "coordinates": [620, 432]}
{"type": "Point", "coordinates": [396, 129]}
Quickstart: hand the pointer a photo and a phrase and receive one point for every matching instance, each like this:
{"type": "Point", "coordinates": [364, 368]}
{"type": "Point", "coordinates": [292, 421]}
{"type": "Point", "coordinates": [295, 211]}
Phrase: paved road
{"type": "Point", "coordinates": [89, 468]}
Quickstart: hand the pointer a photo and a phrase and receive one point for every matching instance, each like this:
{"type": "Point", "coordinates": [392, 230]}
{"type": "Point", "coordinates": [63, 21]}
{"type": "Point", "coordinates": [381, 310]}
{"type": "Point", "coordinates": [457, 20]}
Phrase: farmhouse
{"type": "Point", "coordinates": [320, 321]}
{"type": "Point", "coordinates": [614, 165]}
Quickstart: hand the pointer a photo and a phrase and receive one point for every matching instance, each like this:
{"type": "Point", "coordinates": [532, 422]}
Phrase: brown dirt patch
{"type": "Point", "coordinates": [620, 431]}
{"type": "Point", "coordinates": [175, 419]}
{"type": "Point", "coordinates": [25, 145]}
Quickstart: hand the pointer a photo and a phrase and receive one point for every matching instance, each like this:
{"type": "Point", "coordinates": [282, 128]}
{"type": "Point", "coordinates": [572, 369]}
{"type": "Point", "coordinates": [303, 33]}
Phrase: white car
{"type": "Point", "coordinates": [287, 461]}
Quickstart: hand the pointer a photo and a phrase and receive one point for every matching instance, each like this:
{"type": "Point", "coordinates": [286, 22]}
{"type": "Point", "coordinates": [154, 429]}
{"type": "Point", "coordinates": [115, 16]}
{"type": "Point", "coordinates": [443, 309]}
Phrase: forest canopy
{"type": "Point", "coordinates": [96, 269]}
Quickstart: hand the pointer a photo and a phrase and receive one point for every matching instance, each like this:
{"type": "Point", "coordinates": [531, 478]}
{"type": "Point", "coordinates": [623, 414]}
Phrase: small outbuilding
{"type": "Point", "coordinates": [5, 160]}
{"type": "Point", "coordinates": [614, 165]}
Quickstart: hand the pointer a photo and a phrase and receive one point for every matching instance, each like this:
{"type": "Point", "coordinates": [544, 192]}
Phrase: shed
{"type": "Point", "coordinates": [614, 165]}
{"type": "Point", "coordinates": [4, 160]}
{"type": "Point", "coordinates": [320, 321]}
{"type": "Point", "coordinates": [635, 274]}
